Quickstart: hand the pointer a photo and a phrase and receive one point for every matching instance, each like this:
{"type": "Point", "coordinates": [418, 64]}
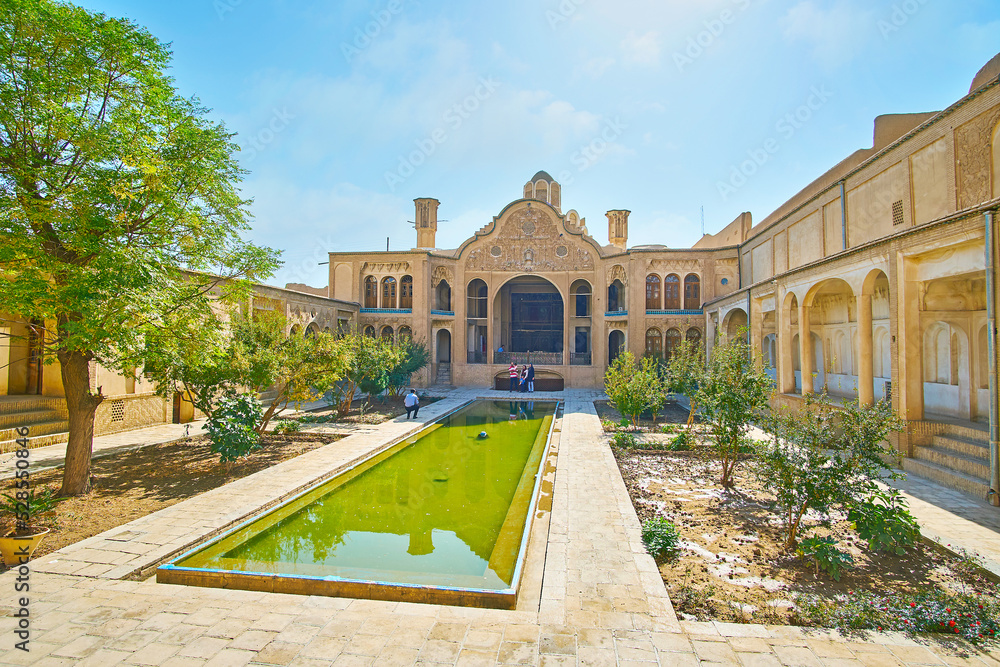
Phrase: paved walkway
{"type": "Point", "coordinates": [601, 600]}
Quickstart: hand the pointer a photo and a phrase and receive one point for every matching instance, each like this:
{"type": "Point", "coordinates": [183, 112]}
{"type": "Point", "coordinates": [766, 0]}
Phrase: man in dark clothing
{"type": "Point", "coordinates": [531, 377]}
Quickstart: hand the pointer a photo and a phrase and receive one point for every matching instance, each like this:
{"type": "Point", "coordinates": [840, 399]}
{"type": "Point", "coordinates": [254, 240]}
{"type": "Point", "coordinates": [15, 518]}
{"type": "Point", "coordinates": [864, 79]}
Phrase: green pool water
{"type": "Point", "coordinates": [445, 508]}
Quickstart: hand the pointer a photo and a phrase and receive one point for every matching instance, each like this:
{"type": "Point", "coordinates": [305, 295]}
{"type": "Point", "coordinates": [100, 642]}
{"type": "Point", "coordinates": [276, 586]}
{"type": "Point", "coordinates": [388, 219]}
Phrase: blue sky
{"type": "Point", "coordinates": [347, 111]}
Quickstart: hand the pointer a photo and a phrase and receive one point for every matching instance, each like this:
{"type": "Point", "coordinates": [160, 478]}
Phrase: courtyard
{"type": "Point", "coordinates": [591, 593]}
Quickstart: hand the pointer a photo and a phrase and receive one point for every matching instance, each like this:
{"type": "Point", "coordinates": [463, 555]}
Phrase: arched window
{"type": "Point", "coordinates": [616, 297]}
{"type": "Point", "coordinates": [477, 299]}
{"type": "Point", "coordinates": [692, 292]}
{"type": "Point", "coordinates": [673, 341]}
{"type": "Point", "coordinates": [581, 297]}
{"type": "Point", "coordinates": [312, 330]}
{"type": "Point", "coordinates": [387, 333]}
{"type": "Point", "coordinates": [371, 292]}
{"type": "Point", "coordinates": [444, 296]}
{"type": "Point", "coordinates": [370, 331]}
{"type": "Point", "coordinates": [406, 292]}
{"type": "Point", "coordinates": [389, 292]}
{"type": "Point", "coordinates": [672, 292]}
{"type": "Point", "coordinates": [654, 343]}
{"type": "Point", "coordinates": [694, 335]}
{"type": "Point", "coordinates": [653, 292]}
{"type": "Point", "coordinates": [405, 334]}
{"type": "Point", "coordinates": [294, 331]}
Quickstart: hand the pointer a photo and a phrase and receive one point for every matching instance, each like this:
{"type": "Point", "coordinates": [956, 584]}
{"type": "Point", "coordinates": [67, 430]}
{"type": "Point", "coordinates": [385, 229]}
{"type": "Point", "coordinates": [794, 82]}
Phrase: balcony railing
{"type": "Point", "coordinates": [442, 313]}
{"type": "Point", "coordinates": [579, 359]}
{"type": "Point", "coordinates": [616, 313]}
{"type": "Point", "coordinates": [477, 357]}
{"type": "Point", "coordinates": [386, 311]}
{"type": "Point", "coordinates": [521, 358]}
{"type": "Point", "coordinates": [675, 312]}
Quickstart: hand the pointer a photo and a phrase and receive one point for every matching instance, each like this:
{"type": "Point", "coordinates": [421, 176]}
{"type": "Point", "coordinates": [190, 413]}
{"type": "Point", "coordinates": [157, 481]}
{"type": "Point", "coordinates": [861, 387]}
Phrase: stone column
{"type": "Point", "coordinates": [786, 372]}
{"type": "Point", "coordinates": [866, 373]}
{"type": "Point", "coordinates": [805, 350]}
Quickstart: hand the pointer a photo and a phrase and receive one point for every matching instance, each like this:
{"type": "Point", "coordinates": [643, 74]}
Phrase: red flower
{"type": "Point", "coordinates": [951, 623]}
{"type": "Point", "coordinates": [914, 604]}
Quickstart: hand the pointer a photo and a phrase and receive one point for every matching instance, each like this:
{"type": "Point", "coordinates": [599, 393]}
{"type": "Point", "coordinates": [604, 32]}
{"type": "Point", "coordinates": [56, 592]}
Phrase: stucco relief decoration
{"type": "Point", "coordinates": [617, 272]}
{"type": "Point", "coordinates": [618, 324]}
{"type": "Point", "coordinates": [675, 265]}
{"type": "Point", "coordinates": [384, 267]}
{"type": "Point", "coordinates": [442, 273]}
{"type": "Point", "coordinates": [973, 143]}
{"type": "Point", "coordinates": [528, 241]}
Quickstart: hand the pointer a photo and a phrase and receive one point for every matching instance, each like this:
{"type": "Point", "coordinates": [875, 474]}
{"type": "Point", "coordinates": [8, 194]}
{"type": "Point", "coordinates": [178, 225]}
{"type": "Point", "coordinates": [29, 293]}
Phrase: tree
{"type": "Point", "coordinates": [733, 392]}
{"type": "Point", "coordinates": [415, 357]}
{"type": "Point", "coordinates": [368, 362]}
{"type": "Point", "coordinates": [657, 389]}
{"type": "Point", "coordinates": [117, 197]}
{"type": "Point", "coordinates": [683, 373]}
{"type": "Point", "coordinates": [628, 386]}
{"type": "Point", "coordinates": [821, 457]}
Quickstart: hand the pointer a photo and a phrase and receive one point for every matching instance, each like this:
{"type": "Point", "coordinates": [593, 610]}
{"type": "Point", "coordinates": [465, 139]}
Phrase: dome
{"type": "Point", "coordinates": [543, 175]}
{"type": "Point", "coordinates": [990, 72]}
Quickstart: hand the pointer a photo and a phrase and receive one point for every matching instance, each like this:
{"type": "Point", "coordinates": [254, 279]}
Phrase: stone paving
{"type": "Point", "coordinates": [601, 600]}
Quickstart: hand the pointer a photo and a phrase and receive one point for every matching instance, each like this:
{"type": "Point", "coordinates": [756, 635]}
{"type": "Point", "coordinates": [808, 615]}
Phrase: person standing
{"type": "Point", "coordinates": [531, 377]}
{"type": "Point", "coordinates": [411, 403]}
{"type": "Point", "coordinates": [524, 380]}
{"type": "Point", "coordinates": [513, 376]}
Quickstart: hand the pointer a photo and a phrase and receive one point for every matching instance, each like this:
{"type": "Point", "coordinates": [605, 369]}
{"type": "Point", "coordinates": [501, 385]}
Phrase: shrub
{"type": "Point", "coordinates": [30, 511]}
{"type": "Point", "coordinates": [825, 555]}
{"type": "Point", "coordinates": [681, 442]}
{"type": "Point", "coordinates": [732, 393]}
{"type": "Point", "coordinates": [820, 457]}
{"type": "Point", "coordinates": [624, 440]}
{"type": "Point", "coordinates": [973, 617]}
{"type": "Point", "coordinates": [885, 523]}
{"type": "Point", "coordinates": [661, 538]}
{"type": "Point", "coordinates": [287, 426]}
{"type": "Point", "coordinates": [231, 427]}
{"type": "Point", "coordinates": [631, 387]}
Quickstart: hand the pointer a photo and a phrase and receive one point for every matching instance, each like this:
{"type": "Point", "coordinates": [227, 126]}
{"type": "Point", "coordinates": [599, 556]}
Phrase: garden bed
{"type": "Point", "coordinates": [141, 481]}
{"type": "Point", "coordinates": [672, 413]}
{"type": "Point", "coordinates": [732, 565]}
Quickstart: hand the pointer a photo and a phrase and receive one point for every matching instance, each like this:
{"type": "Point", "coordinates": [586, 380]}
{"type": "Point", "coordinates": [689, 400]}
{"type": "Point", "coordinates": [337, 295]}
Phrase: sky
{"type": "Point", "coordinates": [347, 111]}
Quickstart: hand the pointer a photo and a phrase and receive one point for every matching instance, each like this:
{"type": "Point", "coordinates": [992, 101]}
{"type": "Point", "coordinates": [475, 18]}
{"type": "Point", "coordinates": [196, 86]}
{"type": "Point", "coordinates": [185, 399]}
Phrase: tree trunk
{"type": "Point", "coordinates": [82, 406]}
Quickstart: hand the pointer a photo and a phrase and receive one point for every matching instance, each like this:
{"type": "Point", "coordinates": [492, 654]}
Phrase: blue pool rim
{"type": "Point", "coordinates": [504, 598]}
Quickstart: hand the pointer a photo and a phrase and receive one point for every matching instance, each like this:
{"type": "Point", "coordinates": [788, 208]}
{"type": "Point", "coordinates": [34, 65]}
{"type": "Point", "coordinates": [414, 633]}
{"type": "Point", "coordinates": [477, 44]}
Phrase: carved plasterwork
{"type": "Point", "coordinates": [384, 267]}
{"type": "Point", "coordinates": [617, 272]}
{"type": "Point", "coordinates": [972, 152]}
{"type": "Point", "coordinates": [674, 265]}
{"type": "Point", "coordinates": [528, 242]}
{"type": "Point", "coordinates": [621, 325]}
{"type": "Point", "coordinates": [442, 273]}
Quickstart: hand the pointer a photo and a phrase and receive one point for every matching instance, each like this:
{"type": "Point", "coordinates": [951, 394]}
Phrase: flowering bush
{"type": "Point", "coordinates": [973, 617]}
{"type": "Point", "coordinates": [624, 440]}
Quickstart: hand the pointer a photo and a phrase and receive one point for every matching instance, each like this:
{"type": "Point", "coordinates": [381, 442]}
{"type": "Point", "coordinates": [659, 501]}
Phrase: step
{"type": "Point", "coordinates": [15, 404]}
{"type": "Point", "coordinates": [969, 465]}
{"type": "Point", "coordinates": [947, 477]}
{"type": "Point", "coordinates": [7, 446]}
{"type": "Point", "coordinates": [44, 428]}
{"type": "Point", "coordinates": [962, 445]}
{"type": "Point", "coordinates": [29, 417]}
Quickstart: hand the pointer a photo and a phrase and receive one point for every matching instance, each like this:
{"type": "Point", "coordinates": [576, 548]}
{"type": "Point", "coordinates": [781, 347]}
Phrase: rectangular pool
{"type": "Point", "coordinates": [442, 516]}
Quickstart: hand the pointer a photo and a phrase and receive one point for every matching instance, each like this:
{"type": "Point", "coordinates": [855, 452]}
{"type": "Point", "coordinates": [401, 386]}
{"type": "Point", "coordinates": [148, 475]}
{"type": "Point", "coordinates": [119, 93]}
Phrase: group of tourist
{"type": "Point", "coordinates": [522, 379]}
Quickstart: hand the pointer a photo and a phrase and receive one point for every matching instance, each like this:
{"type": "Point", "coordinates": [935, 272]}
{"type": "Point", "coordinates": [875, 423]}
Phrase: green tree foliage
{"type": "Point", "coordinates": [683, 373]}
{"type": "Point", "coordinates": [112, 187]}
{"type": "Point", "coordinates": [416, 356]}
{"type": "Point", "coordinates": [629, 386]}
{"type": "Point", "coordinates": [822, 457]}
{"type": "Point", "coordinates": [733, 392]}
{"type": "Point", "coordinates": [231, 427]}
{"type": "Point", "coordinates": [247, 355]}
{"type": "Point", "coordinates": [884, 521]}
{"type": "Point", "coordinates": [368, 363]}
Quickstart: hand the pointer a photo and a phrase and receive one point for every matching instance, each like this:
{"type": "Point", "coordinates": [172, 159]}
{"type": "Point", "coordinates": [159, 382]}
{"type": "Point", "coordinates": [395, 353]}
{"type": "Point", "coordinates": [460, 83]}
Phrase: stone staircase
{"type": "Point", "coordinates": [957, 456]}
{"type": "Point", "coordinates": [45, 417]}
{"type": "Point", "coordinates": [444, 374]}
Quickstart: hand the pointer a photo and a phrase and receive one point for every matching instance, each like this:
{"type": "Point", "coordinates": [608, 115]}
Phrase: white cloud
{"type": "Point", "coordinates": [596, 67]}
{"type": "Point", "coordinates": [642, 49]}
{"type": "Point", "coordinates": [835, 34]}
